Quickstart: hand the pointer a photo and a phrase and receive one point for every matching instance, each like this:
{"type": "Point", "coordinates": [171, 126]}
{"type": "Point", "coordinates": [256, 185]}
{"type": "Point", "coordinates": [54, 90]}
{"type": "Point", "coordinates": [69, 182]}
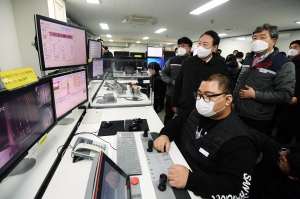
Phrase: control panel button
{"type": "Point", "coordinates": [134, 180]}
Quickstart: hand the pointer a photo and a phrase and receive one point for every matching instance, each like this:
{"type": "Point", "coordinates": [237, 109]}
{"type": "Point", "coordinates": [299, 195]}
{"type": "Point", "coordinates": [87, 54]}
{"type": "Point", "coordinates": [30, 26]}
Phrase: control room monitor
{"type": "Point", "coordinates": [97, 68]}
{"type": "Point", "coordinates": [94, 48]}
{"type": "Point", "coordinates": [153, 51]}
{"type": "Point", "coordinates": [70, 91]}
{"type": "Point", "coordinates": [60, 44]}
{"type": "Point", "coordinates": [26, 114]}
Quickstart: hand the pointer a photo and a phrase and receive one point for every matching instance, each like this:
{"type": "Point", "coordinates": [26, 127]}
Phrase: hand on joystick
{"type": "Point", "coordinates": [178, 176]}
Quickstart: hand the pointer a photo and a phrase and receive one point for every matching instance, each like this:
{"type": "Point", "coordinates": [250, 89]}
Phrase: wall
{"type": "Point", "coordinates": [133, 47]}
{"type": "Point", "coordinates": [24, 20]}
{"type": "Point", "coordinates": [10, 56]}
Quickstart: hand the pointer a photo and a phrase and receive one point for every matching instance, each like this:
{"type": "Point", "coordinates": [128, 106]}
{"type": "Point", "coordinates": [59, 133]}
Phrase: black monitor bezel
{"type": "Point", "coordinates": [80, 104]}
{"type": "Point", "coordinates": [155, 47]}
{"type": "Point", "coordinates": [39, 45]}
{"type": "Point", "coordinates": [88, 49]}
{"type": "Point", "coordinates": [12, 163]}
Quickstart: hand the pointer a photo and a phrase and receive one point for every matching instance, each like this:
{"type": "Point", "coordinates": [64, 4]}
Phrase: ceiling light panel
{"type": "Point", "coordinates": [109, 36]}
{"type": "Point", "coordinates": [138, 42]}
{"type": "Point", "coordinates": [104, 26]}
{"type": "Point", "coordinates": [222, 34]}
{"type": "Point", "coordinates": [160, 30]}
{"type": "Point", "coordinates": [92, 1]}
{"type": "Point", "coordinates": [111, 40]}
{"type": "Point", "coordinates": [208, 6]}
{"type": "Point", "coordinates": [145, 38]}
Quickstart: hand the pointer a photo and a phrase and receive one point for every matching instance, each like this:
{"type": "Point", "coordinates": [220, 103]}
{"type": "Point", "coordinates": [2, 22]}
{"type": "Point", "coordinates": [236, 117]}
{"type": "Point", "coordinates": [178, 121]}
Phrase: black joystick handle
{"type": "Point", "coordinates": [150, 146]}
{"type": "Point", "coordinates": [145, 132]}
{"type": "Point", "coordinates": [162, 182]}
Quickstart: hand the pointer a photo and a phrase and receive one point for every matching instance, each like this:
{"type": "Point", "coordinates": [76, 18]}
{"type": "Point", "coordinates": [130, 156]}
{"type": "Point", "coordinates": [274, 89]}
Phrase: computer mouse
{"type": "Point", "coordinates": [136, 98]}
{"type": "Point", "coordinates": [106, 124]}
{"type": "Point", "coordinates": [138, 120]}
{"type": "Point", "coordinates": [134, 127]}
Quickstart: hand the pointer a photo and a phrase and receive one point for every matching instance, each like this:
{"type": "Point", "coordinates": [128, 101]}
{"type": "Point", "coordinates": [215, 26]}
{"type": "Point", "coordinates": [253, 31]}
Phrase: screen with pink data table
{"type": "Point", "coordinates": [70, 90]}
{"type": "Point", "coordinates": [97, 68]}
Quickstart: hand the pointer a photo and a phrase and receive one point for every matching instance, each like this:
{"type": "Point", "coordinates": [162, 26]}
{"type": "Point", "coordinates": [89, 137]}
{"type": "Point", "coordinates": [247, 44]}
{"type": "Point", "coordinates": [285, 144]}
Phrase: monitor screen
{"type": "Point", "coordinates": [158, 60]}
{"type": "Point", "coordinates": [154, 51]}
{"type": "Point", "coordinates": [97, 68]}
{"type": "Point", "coordinates": [26, 114]}
{"type": "Point", "coordinates": [70, 91]}
{"type": "Point", "coordinates": [169, 54]}
{"type": "Point", "coordinates": [95, 48]}
{"type": "Point", "coordinates": [60, 44]}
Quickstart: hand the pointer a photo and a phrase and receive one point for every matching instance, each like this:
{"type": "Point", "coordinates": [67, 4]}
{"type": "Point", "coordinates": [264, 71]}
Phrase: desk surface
{"type": "Point", "coordinates": [27, 185]}
{"type": "Point", "coordinates": [121, 101]}
{"type": "Point", "coordinates": [70, 179]}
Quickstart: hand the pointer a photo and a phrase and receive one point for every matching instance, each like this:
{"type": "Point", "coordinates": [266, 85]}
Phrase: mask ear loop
{"type": "Point", "coordinates": [218, 102]}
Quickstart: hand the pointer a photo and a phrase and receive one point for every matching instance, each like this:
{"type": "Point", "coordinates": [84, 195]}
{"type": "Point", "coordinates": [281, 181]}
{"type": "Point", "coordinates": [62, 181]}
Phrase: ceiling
{"type": "Point", "coordinates": [239, 16]}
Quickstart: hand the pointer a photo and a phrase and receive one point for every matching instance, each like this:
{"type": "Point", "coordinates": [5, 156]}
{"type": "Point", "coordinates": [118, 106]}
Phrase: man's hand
{"type": "Point", "coordinates": [175, 109]}
{"type": "Point", "coordinates": [178, 176]}
{"type": "Point", "coordinates": [293, 101]}
{"type": "Point", "coordinates": [173, 83]}
{"type": "Point", "coordinates": [134, 87]}
{"type": "Point", "coordinates": [161, 142]}
{"type": "Point", "coordinates": [248, 93]}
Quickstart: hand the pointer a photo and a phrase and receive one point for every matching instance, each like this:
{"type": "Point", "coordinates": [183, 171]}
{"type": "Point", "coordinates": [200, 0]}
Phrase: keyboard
{"type": "Point", "coordinates": [127, 154]}
{"type": "Point", "coordinates": [92, 117]}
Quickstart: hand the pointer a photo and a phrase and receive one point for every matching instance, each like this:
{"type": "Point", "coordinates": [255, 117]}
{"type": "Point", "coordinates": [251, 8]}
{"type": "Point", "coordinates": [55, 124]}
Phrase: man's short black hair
{"type": "Point", "coordinates": [293, 160]}
{"type": "Point", "coordinates": [295, 42]}
{"type": "Point", "coordinates": [175, 49]}
{"type": "Point", "coordinates": [105, 47]}
{"type": "Point", "coordinates": [239, 54]}
{"type": "Point", "coordinates": [224, 82]}
{"type": "Point", "coordinates": [282, 52]}
{"type": "Point", "coordinates": [154, 66]}
{"type": "Point", "coordinates": [272, 29]}
{"type": "Point", "coordinates": [214, 35]}
{"type": "Point", "coordinates": [99, 39]}
{"type": "Point", "coordinates": [230, 57]}
{"type": "Point", "coordinates": [185, 40]}
{"type": "Point", "coordinates": [219, 50]}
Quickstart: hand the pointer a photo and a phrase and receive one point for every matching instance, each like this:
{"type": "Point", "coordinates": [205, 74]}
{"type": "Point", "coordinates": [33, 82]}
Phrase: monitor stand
{"type": "Point", "coordinates": [66, 121]}
{"type": "Point", "coordinates": [25, 165]}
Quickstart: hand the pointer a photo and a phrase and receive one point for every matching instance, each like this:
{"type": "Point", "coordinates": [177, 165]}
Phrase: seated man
{"type": "Point", "coordinates": [217, 145]}
{"type": "Point", "coordinates": [277, 175]}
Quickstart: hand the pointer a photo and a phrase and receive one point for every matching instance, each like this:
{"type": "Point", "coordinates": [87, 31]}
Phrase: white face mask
{"type": "Point", "coordinates": [206, 108]}
{"type": "Point", "coordinates": [176, 54]}
{"type": "Point", "coordinates": [149, 73]}
{"type": "Point", "coordinates": [181, 51]}
{"type": "Point", "coordinates": [239, 60]}
{"type": "Point", "coordinates": [203, 52]}
{"type": "Point", "coordinates": [293, 52]}
{"type": "Point", "coordinates": [259, 46]}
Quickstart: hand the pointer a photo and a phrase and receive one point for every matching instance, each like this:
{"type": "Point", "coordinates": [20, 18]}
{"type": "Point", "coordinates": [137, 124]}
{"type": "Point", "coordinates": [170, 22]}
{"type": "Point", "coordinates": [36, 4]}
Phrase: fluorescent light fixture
{"type": "Point", "coordinates": [168, 43]}
{"type": "Point", "coordinates": [298, 22]}
{"type": "Point", "coordinates": [160, 30]}
{"type": "Point", "coordinates": [208, 6]}
{"type": "Point", "coordinates": [222, 34]}
{"type": "Point", "coordinates": [145, 38]}
{"type": "Point", "coordinates": [138, 42]}
{"type": "Point", "coordinates": [241, 38]}
{"type": "Point", "coordinates": [104, 26]}
{"type": "Point", "coordinates": [111, 40]}
{"type": "Point", "coordinates": [109, 36]}
{"type": "Point", "coordinates": [92, 1]}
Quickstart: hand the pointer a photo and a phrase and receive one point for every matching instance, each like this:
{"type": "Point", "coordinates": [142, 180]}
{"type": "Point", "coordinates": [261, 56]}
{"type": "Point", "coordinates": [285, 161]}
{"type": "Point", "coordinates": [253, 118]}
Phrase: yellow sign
{"type": "Point", "coordinates": [43, 139]}
{"type": "Point", "coordinates": [138, 56]}
{"type": "Point", "coordinates": [15, 78]}
{"type": "Point", "coordinates": [90, 59]}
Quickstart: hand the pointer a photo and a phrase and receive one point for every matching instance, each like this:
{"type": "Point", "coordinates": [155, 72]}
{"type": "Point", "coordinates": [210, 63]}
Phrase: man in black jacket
{"type": "Point", "coordinates": [193, 70]}
{"type": "Point", "coordinates": [217, 145]}
{"type": "Point", "coordinates": [277, 175]}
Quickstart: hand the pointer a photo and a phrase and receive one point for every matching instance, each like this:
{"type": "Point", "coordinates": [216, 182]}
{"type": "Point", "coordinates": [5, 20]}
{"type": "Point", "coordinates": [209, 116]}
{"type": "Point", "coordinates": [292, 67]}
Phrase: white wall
{"type": "Point", "coordinates": [51, 9]}
{"type": "Point", "coordinates": [24, 20]}
{"type": "Point", "coordinates": [10, 56]}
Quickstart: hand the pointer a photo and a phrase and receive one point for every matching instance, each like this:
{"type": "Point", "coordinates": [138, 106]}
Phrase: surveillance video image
{"type": "Point", "coordinates": [24, 116]}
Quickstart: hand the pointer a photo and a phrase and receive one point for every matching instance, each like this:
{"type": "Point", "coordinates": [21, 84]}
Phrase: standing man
{"type": "Point", "coordinates": [194, 69]}
{"type": "Point", "coordinates": [267, 78]}
{"type": "Point", "coordinates": [218, 54]}
{"type": "Point", "coordinates": [170, 71]}
{"type": "Point", "coordinates": [107, 53]}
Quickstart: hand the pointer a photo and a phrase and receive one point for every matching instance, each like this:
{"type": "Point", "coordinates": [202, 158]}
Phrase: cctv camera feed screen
{"type": "Point", "coordinates": [70, 90]}
{"type": "Point", "coordinates": [94, 49]}
{"type": "Point", "coordinates": [154, 51]}
{"type": "Point", "coordinates": [97, 68]}
{"type": "Point", "coordinates": [62, 45]}
{"type": "Point", "coordinates": [114, 185]}
{"type": "Point", "coordinates": [24, 117]}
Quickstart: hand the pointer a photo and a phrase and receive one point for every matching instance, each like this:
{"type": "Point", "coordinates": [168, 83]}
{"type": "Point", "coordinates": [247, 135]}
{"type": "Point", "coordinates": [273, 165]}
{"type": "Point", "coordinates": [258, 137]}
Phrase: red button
{"type": "Point", "coordinates": [134, 181]}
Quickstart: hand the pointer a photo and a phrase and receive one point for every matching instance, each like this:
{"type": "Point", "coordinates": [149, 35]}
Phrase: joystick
{"type": "Point", "coordinates": [162, 182]}
{"type": "Point", "coordinates": [150, 146]}
{"type": "Point", "coordinates": [145, 132]}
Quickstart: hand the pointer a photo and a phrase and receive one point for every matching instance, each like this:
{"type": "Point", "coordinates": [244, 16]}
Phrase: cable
{"type": "Point", "coordinates": [63, 153]}
{"type": "Point", "coordinates": [97, 137]}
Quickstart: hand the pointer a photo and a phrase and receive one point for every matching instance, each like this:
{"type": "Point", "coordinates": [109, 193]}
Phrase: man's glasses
{"type": "Point", "coordinates": [205, 97]}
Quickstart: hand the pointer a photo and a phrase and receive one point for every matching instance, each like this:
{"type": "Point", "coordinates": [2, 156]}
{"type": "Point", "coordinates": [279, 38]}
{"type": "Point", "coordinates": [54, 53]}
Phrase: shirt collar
{"type": "Point", "coordinates": [265, 55]}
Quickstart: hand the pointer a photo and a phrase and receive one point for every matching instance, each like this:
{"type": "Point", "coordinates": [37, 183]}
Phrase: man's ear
{"type": "Point", "coordinates": [293, 178]}
{"type": "Point", "coordinates": [228, 99]}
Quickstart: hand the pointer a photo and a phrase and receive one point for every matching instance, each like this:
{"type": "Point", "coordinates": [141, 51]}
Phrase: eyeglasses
{"type": "Point", "coordinates": [205, 97]}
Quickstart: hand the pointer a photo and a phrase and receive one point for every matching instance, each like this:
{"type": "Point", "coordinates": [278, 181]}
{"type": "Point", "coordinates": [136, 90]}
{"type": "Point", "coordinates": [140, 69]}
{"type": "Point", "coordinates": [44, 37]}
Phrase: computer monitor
{"type": "Point", "coordinates": [168, 54]}
{"type": "Point", "coordinates": [60, 44]}
{"type": "Point", "coordinates": [26, 115]}
{"type": "Point", "coordinates": [97, 68]}
{"type": "Point", "coordinates": [153, 51]}
{"type": "Point", "coordinates": [94, 48]}
{"type": "Point", "coordinates": [121, 53]}
{"type": "Point", "coordinates": [89, 72]}
{"type": "Point", "coordinates": [70, 91]}
{"type": "Point", "coordinates": [158, 60]}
